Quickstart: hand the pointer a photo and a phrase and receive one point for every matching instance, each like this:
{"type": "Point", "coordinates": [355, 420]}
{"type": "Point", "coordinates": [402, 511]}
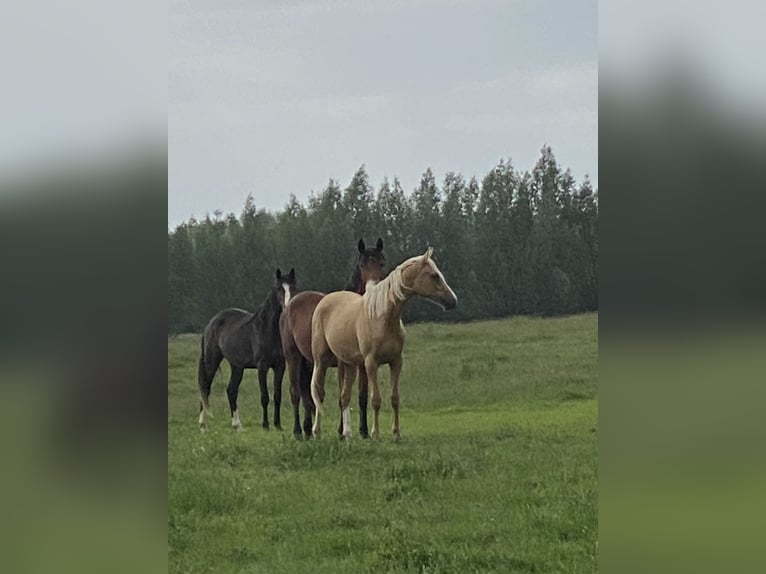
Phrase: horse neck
{"type": "Point", "coordinates": [268, 315]}
{"type": "Point", "coordinates": [355, 283]}
{"type": "Point", "coordinates": [395, 308]}
{"type": "Point", "coordinates": [393, 314]}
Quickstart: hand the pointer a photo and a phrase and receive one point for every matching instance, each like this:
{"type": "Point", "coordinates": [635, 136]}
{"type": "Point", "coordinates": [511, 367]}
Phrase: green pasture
{"type": "Point", "coordinates": [496, 472]}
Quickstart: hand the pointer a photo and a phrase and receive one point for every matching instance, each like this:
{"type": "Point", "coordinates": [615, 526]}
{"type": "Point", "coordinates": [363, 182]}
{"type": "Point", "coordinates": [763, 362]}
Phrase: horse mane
{"type": "Point", "coordinates": [388, 291]}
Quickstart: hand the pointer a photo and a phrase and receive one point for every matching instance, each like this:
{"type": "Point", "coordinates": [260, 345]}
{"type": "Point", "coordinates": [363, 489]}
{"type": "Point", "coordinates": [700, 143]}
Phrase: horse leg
{"type": "Point", "coordinates": [371, 366]}
{"type": "Point", "coordinates": [317, 392]}
{"type": "Point", "coordinates": [232, 391]}
{"type": "Point", "coordinates": [293, 373]}
{"type": "Point", "coordinates": [395, 368]}
{"type": "Point", "coordinates": [363, 432]}
{"type": "Point", "coordinates": [279, 373]}
{"type": "Point", "coordinates": [262, 380]}
{"type": "Point", "coordinates": [308, 403]}
{"type": "Point", "coordinates": [341, 376]}
{"type": "Point", "coordinates": [349, 374]}
{"type": "Point", "coordinates": [208, 365]}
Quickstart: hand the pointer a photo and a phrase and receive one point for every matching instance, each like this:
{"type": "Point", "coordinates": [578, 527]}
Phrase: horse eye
{"type": "Point", "coordinates": [435, 276]}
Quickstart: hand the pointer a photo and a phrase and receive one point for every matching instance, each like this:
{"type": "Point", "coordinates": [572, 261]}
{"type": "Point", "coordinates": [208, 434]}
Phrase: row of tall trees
{"type": "Point", "coordinates": [514, 243]}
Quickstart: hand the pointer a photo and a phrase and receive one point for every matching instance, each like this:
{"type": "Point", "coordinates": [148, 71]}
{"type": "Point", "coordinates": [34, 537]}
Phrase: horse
{"type": "Point", "coordinates": [295, 330]}
{"type": "Point", "coordinates": [247, 341]}
{"type": "Point", "coordinates": [367, 331]}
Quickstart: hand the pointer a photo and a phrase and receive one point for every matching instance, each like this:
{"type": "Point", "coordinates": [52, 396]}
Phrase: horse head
{"type": "Point", "coordinates": [371, 262]}
{"type": "Point", "coordinates": [284, 287]}
{"type": "Point", "coordinates": [424, 278]}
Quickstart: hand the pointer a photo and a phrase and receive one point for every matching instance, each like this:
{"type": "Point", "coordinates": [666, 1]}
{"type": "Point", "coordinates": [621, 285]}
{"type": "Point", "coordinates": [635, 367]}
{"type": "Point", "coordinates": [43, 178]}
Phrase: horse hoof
{"type": "Point", "coordinates": [239, 428]}
{"type": "Point", "coordinates": [203, 429]}
{"type": "Point", "coordinates": [397, 437]}
{"type": "Point", "coordinates": [278, 427]}
{"type": "Point", "coordinates": [265, 426]}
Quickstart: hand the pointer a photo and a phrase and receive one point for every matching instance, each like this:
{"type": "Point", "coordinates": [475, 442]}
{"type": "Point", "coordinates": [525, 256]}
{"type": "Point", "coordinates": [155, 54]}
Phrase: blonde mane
{"type": "Point", "coordinates": [378, 296]}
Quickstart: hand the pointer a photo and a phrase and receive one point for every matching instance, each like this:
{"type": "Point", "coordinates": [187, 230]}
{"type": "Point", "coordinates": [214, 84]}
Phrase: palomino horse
{"type": "Point", "coordinates": [247, 341]}
{"type": "Point", "coordinates": [367, 331]}
{"type": "Point", "coordinates": [295, 329]}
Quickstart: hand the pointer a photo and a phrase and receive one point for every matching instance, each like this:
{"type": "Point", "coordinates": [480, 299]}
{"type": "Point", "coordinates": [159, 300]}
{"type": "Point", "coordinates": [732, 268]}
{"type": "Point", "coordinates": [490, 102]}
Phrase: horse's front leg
{"type": "Point", "coordinates": [395, 368]}
{"type": "Point", "coordinates": [371, 366]}
{"type": "Point", "coordinates": [363, 386]}
{"type": "Point", "coordinates": [279, 373]}
{"type": "Point", "coordinates": [262, 379]}
{"type": "Point", "coordinates": [341, 377]}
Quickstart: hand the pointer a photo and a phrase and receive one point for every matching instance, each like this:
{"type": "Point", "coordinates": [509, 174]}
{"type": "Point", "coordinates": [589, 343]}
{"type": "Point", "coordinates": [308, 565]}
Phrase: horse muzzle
{"type": "Point", "coordinates": [449, 301]}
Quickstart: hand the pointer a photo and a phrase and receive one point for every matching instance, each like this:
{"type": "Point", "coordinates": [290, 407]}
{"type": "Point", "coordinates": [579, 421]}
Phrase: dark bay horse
{"type": "Point", "coordinates": [247, 341]}
{"type": "Point", "coordinates": [367, 331]}
{"type": "Point", "coordinates": [295, 328]}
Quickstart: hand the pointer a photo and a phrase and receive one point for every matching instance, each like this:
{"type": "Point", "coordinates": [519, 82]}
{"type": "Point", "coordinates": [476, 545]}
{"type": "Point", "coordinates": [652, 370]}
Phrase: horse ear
{"type": "Point", "coordinates": [379, 244]}
{"type": "Point", "coordinates": [428, 253]}
{"type": "Point", "coordinates": [360, 246]}
{"type": "Point", "coordinates": [279, 275]}
{"type": "Point", "coordinates": [291, 275]}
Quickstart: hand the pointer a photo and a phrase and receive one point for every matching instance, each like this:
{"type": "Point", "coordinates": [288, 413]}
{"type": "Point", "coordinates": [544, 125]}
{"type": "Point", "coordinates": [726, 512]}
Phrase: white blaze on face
{"type": "Point", "coordinates": [443, 280]}
{"type": "Point", "coordinates": [286, 287]}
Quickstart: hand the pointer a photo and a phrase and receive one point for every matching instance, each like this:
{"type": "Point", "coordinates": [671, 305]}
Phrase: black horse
{"type": "Point", "coordinates": [247, 341]}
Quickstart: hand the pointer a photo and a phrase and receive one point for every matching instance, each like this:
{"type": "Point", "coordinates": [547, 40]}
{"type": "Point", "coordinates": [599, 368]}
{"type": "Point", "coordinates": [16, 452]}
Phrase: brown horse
{"type": "Point", "coordinates": [295, 331]}
{"type": "Point", "coordinates": [367, 331]}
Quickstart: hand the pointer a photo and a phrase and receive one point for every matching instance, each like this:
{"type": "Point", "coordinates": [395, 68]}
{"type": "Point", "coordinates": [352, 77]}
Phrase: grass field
{"type": "Point", "coordinates": [496, 471]}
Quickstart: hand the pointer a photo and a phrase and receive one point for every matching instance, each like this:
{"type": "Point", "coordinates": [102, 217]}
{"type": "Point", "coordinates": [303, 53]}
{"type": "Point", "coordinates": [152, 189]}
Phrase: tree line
{"type": "Point", "coordinates": [516, 243]}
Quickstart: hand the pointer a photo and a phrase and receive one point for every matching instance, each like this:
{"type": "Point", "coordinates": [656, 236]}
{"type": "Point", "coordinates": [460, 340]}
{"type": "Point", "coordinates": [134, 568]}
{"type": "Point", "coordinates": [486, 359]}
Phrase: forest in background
{"type": "Point", "coordinates": [514, 243]}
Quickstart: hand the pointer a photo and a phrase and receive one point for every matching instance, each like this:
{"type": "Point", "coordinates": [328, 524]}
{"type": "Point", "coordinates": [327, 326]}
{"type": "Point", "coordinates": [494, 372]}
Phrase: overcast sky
{"type": "Point", "coordinates": [276, 97]}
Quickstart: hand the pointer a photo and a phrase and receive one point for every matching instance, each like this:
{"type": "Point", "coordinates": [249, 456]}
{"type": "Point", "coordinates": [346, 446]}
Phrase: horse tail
{"type": "Point", "coordinates": [204, 386]}
{"type": "Point", "coordinates": [205, 373]}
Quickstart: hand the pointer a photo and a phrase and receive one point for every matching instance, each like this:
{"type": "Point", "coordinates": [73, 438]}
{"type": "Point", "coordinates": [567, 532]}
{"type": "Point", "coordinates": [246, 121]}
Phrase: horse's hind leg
{"type": "Point", "coordinates": [396, 369]}
{"type": "Point", "coordinates": [363, 403]}
{"type": "Point", "coordinates": [308, 403]}
{"type": "Point", "coordinates": [262, 380]}
{"type": "Point", "coordinates": [349, 374]}
{"type": "Point", "coordinates": [232, 391]}
{"type": "Point", "coordinates": [294, 374]}
{"type": "Point", "coordinates": [317, 391]}
{"type": "Point", "coordinates": [279, 373]}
